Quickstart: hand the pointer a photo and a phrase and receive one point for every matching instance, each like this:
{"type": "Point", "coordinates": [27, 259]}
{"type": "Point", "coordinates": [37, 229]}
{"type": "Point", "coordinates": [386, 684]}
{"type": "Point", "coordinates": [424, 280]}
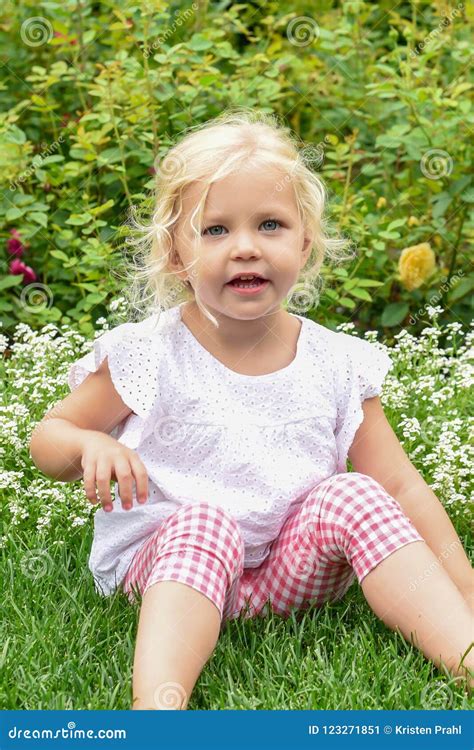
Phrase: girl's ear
{"type": "Point", "coordinates": [307, 245]}
{"type": "Point", "coordinates": [175, 265]}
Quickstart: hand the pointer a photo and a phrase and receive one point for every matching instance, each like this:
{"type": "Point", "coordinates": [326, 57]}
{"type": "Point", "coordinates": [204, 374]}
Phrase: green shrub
{"type": "Point", "coordinates": [94, 94]}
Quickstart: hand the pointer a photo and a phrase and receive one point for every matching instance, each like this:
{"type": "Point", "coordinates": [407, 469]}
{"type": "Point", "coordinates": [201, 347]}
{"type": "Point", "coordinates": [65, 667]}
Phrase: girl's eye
{"type": "Point", "coordinates": [216, 226]}
{"type": "Point", "coordinates": [271, 221]}
{"type": "Point", "coordinates": [219, 226]}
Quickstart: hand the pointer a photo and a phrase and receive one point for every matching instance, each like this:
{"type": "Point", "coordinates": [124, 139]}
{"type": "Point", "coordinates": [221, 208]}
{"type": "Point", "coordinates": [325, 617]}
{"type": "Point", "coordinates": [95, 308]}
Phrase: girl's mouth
{"type": "Point", "coordinates": [248, 287]}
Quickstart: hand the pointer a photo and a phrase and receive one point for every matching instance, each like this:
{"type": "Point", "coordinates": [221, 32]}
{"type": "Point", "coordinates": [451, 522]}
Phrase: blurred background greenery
{"type": "Point", "coordinates": [94, 93]}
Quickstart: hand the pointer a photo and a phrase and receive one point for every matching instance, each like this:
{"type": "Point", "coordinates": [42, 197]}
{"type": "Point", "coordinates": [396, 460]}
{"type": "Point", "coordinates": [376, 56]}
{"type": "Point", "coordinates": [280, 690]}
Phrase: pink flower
{"type": "Point", "coordinates": [17, 267]}
{"type": "Point", "coordinates": [14, 247]}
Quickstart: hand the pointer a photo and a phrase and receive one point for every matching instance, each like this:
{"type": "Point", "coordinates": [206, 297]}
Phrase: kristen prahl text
{"type": "Point", "coordinates": [388, 729]}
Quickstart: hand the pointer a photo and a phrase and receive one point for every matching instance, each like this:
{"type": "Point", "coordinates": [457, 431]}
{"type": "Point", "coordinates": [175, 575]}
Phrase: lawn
{"type": "Point", "coordinates": [65, 647]}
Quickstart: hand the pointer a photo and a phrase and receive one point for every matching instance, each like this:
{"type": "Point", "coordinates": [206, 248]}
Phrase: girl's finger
{"type": "Point", "coordinates": [88, 478]}
{"type": "Point", "coordinates": [102, 478]}
{"type": "Point", "coordinates": [123, 472]}
{"type": "Point", "coordinates": [141, 478]}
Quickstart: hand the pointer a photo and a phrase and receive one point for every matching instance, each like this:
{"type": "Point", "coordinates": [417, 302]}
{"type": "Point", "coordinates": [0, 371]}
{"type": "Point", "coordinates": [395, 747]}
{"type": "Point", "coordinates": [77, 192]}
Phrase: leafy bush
{"type": "Point", "coordinates": [94, 94]}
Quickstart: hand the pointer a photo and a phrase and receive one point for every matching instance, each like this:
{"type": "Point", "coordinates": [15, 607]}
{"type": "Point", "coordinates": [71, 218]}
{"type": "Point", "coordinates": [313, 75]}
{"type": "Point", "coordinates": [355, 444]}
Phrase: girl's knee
{"type": "Point", "coordinates": [349, 501]}
{"type": "Point", "coordinates": [206, 527]}
{"type": "Point", "coordinates": [351, 493]}
{"type": "Point", "coordinates": [206, 518]}
{"type": "Point", "coordinates": [351, 516]}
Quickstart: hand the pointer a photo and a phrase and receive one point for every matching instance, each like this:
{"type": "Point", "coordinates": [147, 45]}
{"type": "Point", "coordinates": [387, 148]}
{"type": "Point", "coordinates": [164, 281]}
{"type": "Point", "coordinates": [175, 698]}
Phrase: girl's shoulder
{"type": "Point", "coordinates": [134, 351]}
{"type": "Point", "coordinates": [338, 346]}
{"type": "Point", "coordinates": [349, 358]}
{"type": "Point", "coordinates": [158, 323]}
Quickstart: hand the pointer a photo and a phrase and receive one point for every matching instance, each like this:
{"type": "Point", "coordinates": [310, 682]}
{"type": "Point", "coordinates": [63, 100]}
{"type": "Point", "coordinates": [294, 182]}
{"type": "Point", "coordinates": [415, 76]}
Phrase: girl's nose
{"type": "Point", "coordinates": [245, 245]}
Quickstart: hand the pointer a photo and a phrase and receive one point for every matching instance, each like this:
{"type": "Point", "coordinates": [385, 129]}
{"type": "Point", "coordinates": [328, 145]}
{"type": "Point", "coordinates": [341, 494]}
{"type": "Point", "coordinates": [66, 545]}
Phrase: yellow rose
{"type": "Point", "coordinates": [381, 202]}
{"type": "Point", "coordinates": [413, 221]}
{"type": "Point", "coordinates": [415, 264]}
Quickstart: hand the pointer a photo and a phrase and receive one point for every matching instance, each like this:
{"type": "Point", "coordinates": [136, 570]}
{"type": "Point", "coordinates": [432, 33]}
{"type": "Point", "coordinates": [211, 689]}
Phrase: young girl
{"type": "Point", "coordinates": [227, 423]}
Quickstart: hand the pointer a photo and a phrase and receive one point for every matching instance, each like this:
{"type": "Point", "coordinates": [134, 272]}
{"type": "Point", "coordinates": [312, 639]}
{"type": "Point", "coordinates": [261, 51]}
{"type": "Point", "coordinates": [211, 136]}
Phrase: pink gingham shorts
{"type": "Point", "coordinates": [344, 527]}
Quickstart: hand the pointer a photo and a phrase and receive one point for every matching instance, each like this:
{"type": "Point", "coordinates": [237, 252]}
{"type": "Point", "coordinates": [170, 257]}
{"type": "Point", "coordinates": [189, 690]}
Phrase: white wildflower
{"type": "Point", "coordinates": [433, 312]}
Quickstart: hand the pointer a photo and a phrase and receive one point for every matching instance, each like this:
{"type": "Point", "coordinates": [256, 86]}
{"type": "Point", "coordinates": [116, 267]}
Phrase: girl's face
{"type": "Point", "coordinates": [250, 225]}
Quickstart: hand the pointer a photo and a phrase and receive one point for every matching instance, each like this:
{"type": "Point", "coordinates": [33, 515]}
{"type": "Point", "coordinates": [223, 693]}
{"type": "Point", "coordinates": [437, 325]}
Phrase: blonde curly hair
{"type": "Point", "coordinates": [207, 153]}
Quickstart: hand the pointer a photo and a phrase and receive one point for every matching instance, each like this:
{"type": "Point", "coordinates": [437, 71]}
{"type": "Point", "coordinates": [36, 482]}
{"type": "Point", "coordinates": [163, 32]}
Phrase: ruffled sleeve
{"type": "Point", "coordinates": [361, 370]}
{"type": "Point", "coordinates": [132, 358]}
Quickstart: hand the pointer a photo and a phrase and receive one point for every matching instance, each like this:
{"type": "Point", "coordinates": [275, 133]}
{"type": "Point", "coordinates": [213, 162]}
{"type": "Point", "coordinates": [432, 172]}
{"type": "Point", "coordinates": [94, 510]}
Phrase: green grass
{"type": "Point", "coordinates": [66, 647]}
{"type": "Point", "coordinates": [63, 646]}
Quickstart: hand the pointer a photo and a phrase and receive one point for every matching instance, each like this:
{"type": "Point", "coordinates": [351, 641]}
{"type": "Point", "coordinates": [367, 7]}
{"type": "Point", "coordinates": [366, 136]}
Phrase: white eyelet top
{"type": "Point", "coordinates": [253, 444]}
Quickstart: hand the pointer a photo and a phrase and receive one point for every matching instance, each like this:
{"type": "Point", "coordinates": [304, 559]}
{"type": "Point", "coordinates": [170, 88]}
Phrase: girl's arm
{"type": "Point", "coordinates": [56, 445]}
{"type": "Point", "coordinates": [377, 452]}
{"type": "Point", "coordinates": [56, 448]}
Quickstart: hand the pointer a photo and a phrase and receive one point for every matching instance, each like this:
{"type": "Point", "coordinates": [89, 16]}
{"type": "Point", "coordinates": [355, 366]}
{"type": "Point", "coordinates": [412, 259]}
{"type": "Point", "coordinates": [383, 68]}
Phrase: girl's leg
{"type": "Point", "coordinates": [177, 633]}
{"type": "Point", "coordinates": [400, 576]}
{"type": "Point", "coordinates": [348, 526]}
{"type": "Point", "coordinates": [433, 612]}
{"type": "Point", "coordinates": [185, 572]}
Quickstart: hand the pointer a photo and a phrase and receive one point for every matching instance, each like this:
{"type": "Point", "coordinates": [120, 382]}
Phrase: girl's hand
{"type": "Point", "coordinates": [105, 459]}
